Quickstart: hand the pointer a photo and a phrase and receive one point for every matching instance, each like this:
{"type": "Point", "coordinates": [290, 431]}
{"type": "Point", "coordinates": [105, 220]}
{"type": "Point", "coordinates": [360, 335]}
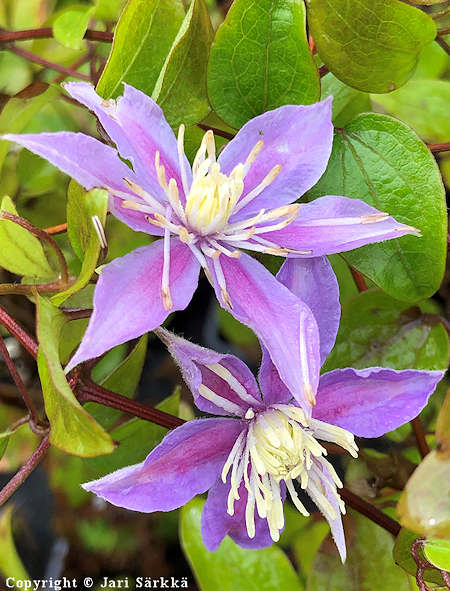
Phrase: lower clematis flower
{"type": "Point", "coordinates": [265, 446]}
{"type": "Point", "coordinates": [207, 214]}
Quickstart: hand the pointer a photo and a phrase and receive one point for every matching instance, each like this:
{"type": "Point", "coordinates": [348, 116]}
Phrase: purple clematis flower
{"type": "Point", "coordinates": [206, 214]}
{"type": "Point", "coordinates": [269, 445]}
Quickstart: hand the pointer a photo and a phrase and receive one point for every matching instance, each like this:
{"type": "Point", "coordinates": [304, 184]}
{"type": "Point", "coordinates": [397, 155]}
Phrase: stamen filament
{"type": "Point", "coordinates": [223, 403]}
{"type": "Point", "coordinates": [267, 180]}
{"type": "Point", "coordinates": [181, 161]}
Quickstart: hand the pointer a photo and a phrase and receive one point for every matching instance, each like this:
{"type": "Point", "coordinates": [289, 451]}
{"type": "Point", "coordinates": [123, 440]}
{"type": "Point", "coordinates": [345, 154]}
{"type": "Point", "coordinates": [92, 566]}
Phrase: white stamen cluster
{"type": "Point", "coordinates": [280, 445]}
{"type": "Point", "coordinates": [211, 199]}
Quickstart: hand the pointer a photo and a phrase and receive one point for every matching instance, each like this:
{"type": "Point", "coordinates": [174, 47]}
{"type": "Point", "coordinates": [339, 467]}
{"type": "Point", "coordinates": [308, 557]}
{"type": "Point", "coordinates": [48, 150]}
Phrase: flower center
{"type": "Point", "coordinates": [212, 197]}
{"type": "Point", "coordinates": [279, 446]}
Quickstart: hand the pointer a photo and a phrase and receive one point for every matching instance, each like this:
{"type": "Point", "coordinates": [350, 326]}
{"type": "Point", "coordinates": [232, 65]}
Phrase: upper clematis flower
{"type": "Point", "coordinates": [270, 445]}
{"type": "Point", "coordinates": [207, 213]}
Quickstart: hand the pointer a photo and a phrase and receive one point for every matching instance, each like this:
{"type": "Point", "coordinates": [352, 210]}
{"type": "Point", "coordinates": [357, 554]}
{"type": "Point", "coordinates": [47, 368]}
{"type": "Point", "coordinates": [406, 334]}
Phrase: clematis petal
{"type": "Point", "coordinates": [88, 161]}
{"type": "Point", "coordinates": [127, 299]}
{"type": "Point", "coordinates": [297, 137]}
{"type": "Point", "coordinates": [221, 384]}
{"type": "Point", "coordinates": [186, 463]}
{"type": "Point", "coordinates": [283, 323]}
{"type": "Point", "coordinates": [217, 523]}
{"type": "Point", "coordinates": [371, 402]}
{"type": "Point", "coordinates": [137, 220]}
{"type": "Point", "coordinates": [314, 282]}
{"type": "Point", "coordinates": [273, 388]}
{"type": "Point", "coordinates": [333, 224]}
{"type": "Point", "coordinates": [138, 127]}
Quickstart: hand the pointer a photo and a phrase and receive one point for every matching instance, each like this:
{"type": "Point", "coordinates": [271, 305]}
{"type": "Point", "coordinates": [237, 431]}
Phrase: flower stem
{"type": "Point", "coordinates": [47, 32]}
{"type": "Point", "coordinates": [43, 236]}
{"type": "Point", "coordinates": [25, 470]}
{"type": "Point", "coordinates": [370, 511]}
{"type": "Point", "coordinates": [17, 331]}
{"type": "Point", "coordinates": [18, 381]}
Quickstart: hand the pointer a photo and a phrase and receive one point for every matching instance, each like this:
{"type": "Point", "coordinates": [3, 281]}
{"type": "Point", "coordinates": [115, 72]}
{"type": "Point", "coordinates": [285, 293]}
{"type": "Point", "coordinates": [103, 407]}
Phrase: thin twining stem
{"type": "Point", "coordinates": [47, 32]}
{"type": "Point", "coordinates": [90, 392]}
{"type": "Point", "coordinates": [419, 434]}
{"type": "Point", "coordinates": [42, 235]}
{"type": "Point", "coordinates": [370, 511]}
{"type": "Point", "coordinates": [25, 470]}
{"type": "Point", "coordinates": [18, 381]}
{"type": "Point", "coordinates": [31, 57]}
{"type": "Point", "coordinates": [443, 147]}
{"type": "Point", "coordinates": [18, 332]}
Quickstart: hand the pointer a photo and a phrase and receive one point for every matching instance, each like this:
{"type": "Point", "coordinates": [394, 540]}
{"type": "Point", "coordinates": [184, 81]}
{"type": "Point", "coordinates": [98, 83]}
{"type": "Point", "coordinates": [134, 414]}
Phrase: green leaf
{"type": "Point", "coordinates": [72, 429]}
{"type": "Point", "coordinates": [142, 40]}
{"type": "Point", "coordinates": [381, 161]}
{"type": "Point", "coordinates": [347, 102]}
{"type": "Point", "coordinates": [10, 563]}
{"type": "Point", "coordinates": [70, 26]}
{"type": "Point", "coordinates": [123, 380]}
{"type": "Point", "coordinates": [260, 60]}
{"type": "Point", "coordinates": [20, 251]}
{"type": "Point", "coordinates": [369, 565]}
{"type": "Point", "coordinates": [181, 87]}
{"type": "Point", "coordinates": [136, 439]}
{"type": "Point", "coordinates": [403, 557]}
{"type": "Point", "coordinates": [423, 105]}
{"type": "Point", "coordinates": [231, 567]}
{"type": "Point", "coordinates": [372, 45]}
{"type": "Point", "coordinates": [18, 112]}
{"type": "Point", "coordinates": [438, 553]}
{"type": "Point", "coordinates": [3, 446]}
{"type": "Point", "coordinates": [81, 208]}
{"type": "Point", "coordinates": [378, 331]}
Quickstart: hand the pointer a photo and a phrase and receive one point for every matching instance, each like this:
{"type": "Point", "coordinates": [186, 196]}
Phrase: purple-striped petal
{"type": "Point", "coordinates": [273, 388]}
{"type": "Point", "coordinates": [334, 224]}
{"type": "Point", "coordinates": [183, 465]}
{"type": "Point", "coordinates": [137, 220]}
{"type": "Point", "coordinates": [297, 137]}
{"type": "Point", "coordinates": [217, 523]}
{"type": "Point", "coordinates": [221, 384]}
{"type": "Point", "coordinates": [371, 402]}
{"type": "Point", "coordinates": [138, 127]}
{"type": "Point", "coordinates": [88, 161]}
{"type": "Point", "coordinates": [283, 323]}
{"type": "Point", "coordinates": [128, 301]}
{"type": "Point", "coordinates": [314, 282]}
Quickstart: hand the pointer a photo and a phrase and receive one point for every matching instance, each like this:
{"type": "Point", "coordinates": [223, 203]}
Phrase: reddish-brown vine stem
{"type": "Point", "coordinates": [18, 381]}
{"type": "Point", "coordinates": [18, 332]}
{"type": "Point", "coordinates": [419, 434]}
{"type": "Point", "coordinates": [370, 511]}
{"type": "Point", "coordinates": [25, 470]}
{"type": "Point", "coordinates": [31, 57]}
{"type": "Point", "coordinates": [89, 392]}
{"type": "Point", "coordinates": [47, 33]}
{"type": "Point", "coordinates": [444, 147]}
